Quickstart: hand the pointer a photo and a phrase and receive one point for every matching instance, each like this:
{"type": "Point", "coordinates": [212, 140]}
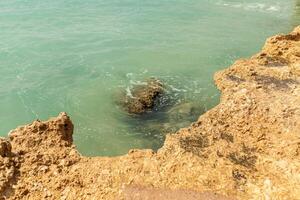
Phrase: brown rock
{"type": "Point", "coordinates": [142, 193]}
{"type": "Point", "coordinates": [143, 98]}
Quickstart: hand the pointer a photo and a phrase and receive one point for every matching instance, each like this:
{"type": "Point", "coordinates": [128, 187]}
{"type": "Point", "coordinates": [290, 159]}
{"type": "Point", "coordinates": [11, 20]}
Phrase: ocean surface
{"type": "Point", "coordinates": [78, 56]}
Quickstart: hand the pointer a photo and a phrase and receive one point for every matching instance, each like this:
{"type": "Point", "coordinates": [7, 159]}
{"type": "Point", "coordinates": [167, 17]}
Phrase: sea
{"type": "Point", "coordinates": [81, 56]}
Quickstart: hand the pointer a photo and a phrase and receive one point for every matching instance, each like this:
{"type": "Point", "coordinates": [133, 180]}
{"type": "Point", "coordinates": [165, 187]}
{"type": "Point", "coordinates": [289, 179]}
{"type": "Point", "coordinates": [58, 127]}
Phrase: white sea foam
{"type": "Point", "coordinates": [176, 89]}
{"type": "Point", "coordinates": [260, 7]}
{"type": "Point", "coordinates": [132, 82]}
{"type": "Point", "coordinates": [273, 8]}
{"type": "Point", "coordinates": [129, 75]}
{"type": "Point", "coordinates": [128, 92]}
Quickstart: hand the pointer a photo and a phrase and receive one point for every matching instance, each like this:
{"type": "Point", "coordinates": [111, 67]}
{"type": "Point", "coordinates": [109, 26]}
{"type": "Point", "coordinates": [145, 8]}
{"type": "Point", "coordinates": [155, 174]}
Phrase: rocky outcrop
{"type": "Point", "coordinates": [144, 97]}
{"type": "Point", "coordinates": [247, 147]}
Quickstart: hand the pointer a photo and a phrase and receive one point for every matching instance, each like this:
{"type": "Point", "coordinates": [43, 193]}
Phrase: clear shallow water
{"type": "Point", "coordinates": [75, 56]}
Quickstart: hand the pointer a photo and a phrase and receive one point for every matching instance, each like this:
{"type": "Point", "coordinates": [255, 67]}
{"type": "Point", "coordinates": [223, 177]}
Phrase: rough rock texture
{"type": "Point", "coordinates": [143, 98]}
{"type": "Point", "coordinates": [140, 193]}
{"type": "Point", "coordinates": [247, 147]}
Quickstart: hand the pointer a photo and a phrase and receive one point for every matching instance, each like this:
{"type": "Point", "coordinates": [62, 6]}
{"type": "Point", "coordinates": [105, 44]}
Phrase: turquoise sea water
{"type": "Point", "coordinates": [75, 56]}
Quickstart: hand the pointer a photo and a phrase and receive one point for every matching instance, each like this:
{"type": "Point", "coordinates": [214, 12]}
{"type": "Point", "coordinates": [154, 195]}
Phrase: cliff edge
{"type": "Point", "coordinates": [247, 147]}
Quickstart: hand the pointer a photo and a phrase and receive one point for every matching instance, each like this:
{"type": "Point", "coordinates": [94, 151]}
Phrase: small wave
{"type": "Point", "coordinates": [261, 7]}
{"type": "Point", "coordinates": [273, 8]}
{"type": "Point", "coordinates": [132, 82]}
{"type": "Point", "coordinates": [129, 75]}
{"type": "Point", "coordinates": [176, 89]}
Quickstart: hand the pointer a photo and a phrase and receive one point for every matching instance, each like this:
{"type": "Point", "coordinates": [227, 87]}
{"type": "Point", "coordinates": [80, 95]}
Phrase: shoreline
{"type": "Point", "coordinates": [247, 147]}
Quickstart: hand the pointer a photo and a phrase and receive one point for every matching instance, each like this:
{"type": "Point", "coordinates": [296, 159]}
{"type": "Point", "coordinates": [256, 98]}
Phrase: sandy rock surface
{"type": "Point", "coordinates": [247, 147]}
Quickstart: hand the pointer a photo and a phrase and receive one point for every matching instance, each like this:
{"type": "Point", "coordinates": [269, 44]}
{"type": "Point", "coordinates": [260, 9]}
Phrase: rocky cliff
{"type": "Point", "coordinates": [247, 147]}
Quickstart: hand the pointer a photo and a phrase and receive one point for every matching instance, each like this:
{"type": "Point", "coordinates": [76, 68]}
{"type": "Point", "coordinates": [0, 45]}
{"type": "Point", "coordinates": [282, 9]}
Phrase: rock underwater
{"type": "Point", "coordinates": [144, 97]}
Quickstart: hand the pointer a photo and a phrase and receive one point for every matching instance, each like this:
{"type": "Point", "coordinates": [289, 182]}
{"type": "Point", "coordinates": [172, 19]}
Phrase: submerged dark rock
{"type": "Point", "coordinates": [143, 98]}
{"type": "Point", "coordinates": [157, 125]}
{"type": "Point", "coordinates": [187, 110]}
